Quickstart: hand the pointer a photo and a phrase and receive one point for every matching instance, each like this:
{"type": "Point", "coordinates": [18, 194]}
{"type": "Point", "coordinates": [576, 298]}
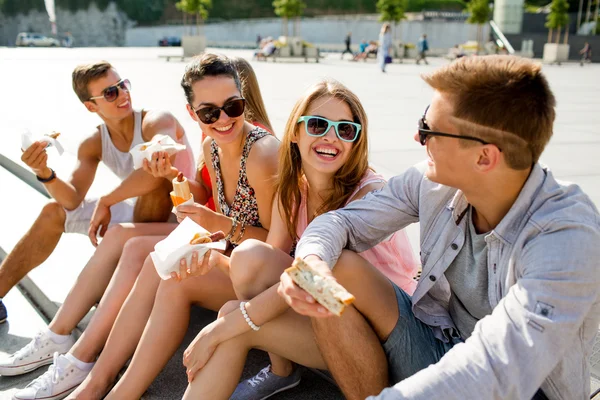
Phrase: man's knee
{"type": "Point", "coordinates": [245, 263]}
{"type": "Point", "coordinates": [349, 267]}
{"type": "Point", "coordinates": [53, 214]}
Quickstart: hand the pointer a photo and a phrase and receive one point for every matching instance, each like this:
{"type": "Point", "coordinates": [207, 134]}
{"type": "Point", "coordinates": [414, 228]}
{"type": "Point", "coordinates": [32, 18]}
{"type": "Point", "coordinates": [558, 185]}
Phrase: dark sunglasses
{"type": "Point", "coordinates": [210, 115]}
{"type": "Point", "coordinates": [111, 93]}
{"type": "Point", "coordinates": [318, 126]}
{"type": "Point", "coordinates": [424, 132]}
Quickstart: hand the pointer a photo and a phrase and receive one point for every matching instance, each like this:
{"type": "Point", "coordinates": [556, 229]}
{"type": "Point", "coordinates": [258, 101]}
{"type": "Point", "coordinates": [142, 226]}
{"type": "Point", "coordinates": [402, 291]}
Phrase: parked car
{"type": "Point", "coordinates": [169, 41]}
{"type": "Point", "coordinates": [35, 39]}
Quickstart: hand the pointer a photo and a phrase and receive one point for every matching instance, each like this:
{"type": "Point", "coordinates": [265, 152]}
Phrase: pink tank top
{"type": "Point", "coordinates": [393, 257]}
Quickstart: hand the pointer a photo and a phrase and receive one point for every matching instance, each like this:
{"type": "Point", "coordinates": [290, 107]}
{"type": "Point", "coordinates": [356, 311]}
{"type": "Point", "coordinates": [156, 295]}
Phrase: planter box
{"type": "Point", "coordinates": [555, 53]}
{"type": "Point", "coordinates": [311, 52]}
{"type": "Point", "coordinates": [193, 45]}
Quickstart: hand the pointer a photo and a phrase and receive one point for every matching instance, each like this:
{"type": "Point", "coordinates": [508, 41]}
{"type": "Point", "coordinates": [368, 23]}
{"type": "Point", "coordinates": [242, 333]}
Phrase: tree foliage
{"type": "Point", "coordinates": [558, 16]}
{"type": "Point", "coordinates": [391, 10]}
{"type": "Point", "coordinates": [289, 8]}
{"type": "Point", "coordinates": [195, 7]}
{"type": "Point", "coordinates": [479, 11]}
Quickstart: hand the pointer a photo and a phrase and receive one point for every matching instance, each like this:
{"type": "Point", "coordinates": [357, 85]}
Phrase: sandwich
{"type": "Point", "coordinates": [53, 135]}
{"type": "Point", "coordinates": [205, 237]}
{"type": "Point", "coordinates": [330, 294]}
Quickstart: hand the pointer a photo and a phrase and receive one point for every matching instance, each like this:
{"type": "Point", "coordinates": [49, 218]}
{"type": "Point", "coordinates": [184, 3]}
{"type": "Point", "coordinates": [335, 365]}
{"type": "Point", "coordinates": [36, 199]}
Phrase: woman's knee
{"type": "Point", "coordinates": [246, 262]}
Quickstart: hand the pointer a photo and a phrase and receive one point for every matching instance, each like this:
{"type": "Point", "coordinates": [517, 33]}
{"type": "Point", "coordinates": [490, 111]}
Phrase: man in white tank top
{"type": "Point", "coordinates": [104, 92]}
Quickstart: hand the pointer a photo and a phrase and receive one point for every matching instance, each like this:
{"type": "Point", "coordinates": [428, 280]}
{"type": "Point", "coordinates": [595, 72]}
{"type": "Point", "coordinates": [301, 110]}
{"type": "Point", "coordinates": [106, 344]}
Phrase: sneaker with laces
{"type": "Point", "coordinates": [3, 313]}
{"type": "Point", "coordinates": [266, 384]}
{"type": "Point", "coordinates": [58, 382]}
{"type": "Point", "coordinates": [35, 354]}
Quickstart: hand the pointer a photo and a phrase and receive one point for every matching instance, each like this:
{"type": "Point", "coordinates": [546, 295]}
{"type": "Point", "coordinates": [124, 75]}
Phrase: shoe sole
{"type": "Point", "coordinates": [293, 385]}
{"type": "Point", "coordinates": [55, 397]}
{"type": "Point", "coordinates": [2, 321]}
{"type": "Point", "coordinates": [15, 371]}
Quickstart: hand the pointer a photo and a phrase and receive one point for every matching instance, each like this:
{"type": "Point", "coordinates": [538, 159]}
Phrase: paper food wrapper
{"type": "Point", "coordinates": [169, 251]}
{"type": "Point", "coordinates": [27, 139]}
{"type": "Point", "coordinates": [188, 202]}
{"type": "Point", "coordinates": [158, 143]}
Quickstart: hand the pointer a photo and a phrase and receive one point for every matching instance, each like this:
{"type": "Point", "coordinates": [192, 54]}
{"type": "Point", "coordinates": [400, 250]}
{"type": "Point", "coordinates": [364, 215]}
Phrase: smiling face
{"type": "Point", "coordinates": [215, 91]}
{"type": "Point", "coordinates": [325, 154]}
{"type": "Point", "coordinates": [450, 163]}
{"type": "Point", "coordinates": [116, 110]}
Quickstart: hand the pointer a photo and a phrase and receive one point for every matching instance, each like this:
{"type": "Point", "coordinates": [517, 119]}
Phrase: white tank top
{"type": "Point", "coordinates": [121, 164]}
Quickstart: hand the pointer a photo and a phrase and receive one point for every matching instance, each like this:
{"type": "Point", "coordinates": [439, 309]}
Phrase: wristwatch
{"type": "Point", "coordinates": [48, 179]}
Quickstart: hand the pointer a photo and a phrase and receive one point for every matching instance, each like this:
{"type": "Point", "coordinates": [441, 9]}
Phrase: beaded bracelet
{"type": "Point", "coordinates": [247, 318]}
{"type": "Point", "coordinates": [242, 231]}
{"type": "Point", "coordinates": [234, 223]}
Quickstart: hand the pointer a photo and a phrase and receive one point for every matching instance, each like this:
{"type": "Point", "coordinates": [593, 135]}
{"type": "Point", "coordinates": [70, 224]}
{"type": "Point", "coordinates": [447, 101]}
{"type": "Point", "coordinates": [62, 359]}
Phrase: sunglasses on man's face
{"type": "Point", "coordinates": [210, 115]}
{"type": "Point", "coordinates": [319, 126]}
{"type": "Point", "coordinates": [425, 132]}
{"type": "Point", "coordinates": [111, 93]}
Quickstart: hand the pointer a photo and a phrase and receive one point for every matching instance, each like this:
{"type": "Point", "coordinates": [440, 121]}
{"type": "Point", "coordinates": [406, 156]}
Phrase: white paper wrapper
{"type": "Point", "coordinates": [169, 251]}
{"type": "Point", "coordinates": [158, 143]}
{"type": "Point", "coordinates": [27, 139]}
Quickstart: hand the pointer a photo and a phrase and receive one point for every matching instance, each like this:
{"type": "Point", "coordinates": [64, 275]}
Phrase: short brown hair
{"type": "Point", "coordinates": [504, 100]}
{"type": "Point", "coordinates": [85, 73]}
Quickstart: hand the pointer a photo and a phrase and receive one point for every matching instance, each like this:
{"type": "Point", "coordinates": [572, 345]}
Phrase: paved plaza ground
{"type": "Point", "coordinates": [36, 94]}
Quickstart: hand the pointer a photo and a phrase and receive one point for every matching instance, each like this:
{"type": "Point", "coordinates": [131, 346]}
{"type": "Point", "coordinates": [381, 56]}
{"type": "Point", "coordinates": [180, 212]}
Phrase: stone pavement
{"type": "Point", "coordinates": [37, 95]}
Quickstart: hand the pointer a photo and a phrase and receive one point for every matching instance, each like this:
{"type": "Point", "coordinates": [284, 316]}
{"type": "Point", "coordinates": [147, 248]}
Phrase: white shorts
{"type": "Point", "coordinates": [78, 220]}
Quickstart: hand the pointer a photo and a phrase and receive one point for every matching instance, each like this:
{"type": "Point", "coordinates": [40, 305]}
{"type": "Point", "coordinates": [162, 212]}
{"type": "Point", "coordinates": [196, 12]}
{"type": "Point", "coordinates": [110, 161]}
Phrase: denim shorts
{"type": "Point", "coordinates": [411, 346]}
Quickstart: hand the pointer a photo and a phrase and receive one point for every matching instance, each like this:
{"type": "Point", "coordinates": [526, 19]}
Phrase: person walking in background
{"type": "Point", "coordinates": [384, 55]}
{"type": "Point", "coordinates": [347, 42]}
{"type": "Point", "coordinates": [422, 47]}
{"type": "Point", "coordinates": [586, 53]}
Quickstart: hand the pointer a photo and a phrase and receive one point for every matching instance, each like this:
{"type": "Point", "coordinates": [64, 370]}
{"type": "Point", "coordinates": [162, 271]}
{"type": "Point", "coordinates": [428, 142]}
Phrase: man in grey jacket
{"type": "Point", "coordinates": [508, 302]}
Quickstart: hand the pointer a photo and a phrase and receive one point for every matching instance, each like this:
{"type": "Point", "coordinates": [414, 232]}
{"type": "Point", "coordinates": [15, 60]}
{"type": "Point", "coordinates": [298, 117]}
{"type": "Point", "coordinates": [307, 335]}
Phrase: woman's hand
{"type": "Point", "coordinates": [196, 268]}
{"type": "Point", "coordinates": [198, 213]}
{"type": "Point", "coordinates": [200, 351]}
{"type": "Point", "coordinates": [160, 166]}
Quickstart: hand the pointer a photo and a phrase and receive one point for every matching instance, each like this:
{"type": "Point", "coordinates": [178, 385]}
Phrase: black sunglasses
{"type": "Point", "coordinates": [424, 132]}
{"type": "Point", "coordinates": [210, 115]}
{"type": "Point", "coordinates": [111, 93]}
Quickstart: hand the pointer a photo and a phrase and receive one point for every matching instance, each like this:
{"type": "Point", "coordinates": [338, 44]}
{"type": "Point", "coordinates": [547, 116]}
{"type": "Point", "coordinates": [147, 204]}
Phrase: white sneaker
{"type": "Point", "coordinates": [35, 354]}
{"type": "Point", "coordinates": [58, 382]}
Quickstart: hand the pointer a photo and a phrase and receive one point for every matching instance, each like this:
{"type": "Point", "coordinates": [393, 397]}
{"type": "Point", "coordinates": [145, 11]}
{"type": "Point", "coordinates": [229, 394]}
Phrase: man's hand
{"type": "Point", "coordinates": [35, 157]}
{"type": "Point", "coordinates": [160, 166]}
{"type": "Point", "coordinates": [100, 220]}
{"type": "Point", "coordinates": [297, 298]}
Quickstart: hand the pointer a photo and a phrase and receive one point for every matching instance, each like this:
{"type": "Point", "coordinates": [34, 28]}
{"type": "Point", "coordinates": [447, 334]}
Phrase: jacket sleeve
{"type": "Point", "coordinates": [366, 222]}
{"type": "Point", "coordinates": [515, 348]}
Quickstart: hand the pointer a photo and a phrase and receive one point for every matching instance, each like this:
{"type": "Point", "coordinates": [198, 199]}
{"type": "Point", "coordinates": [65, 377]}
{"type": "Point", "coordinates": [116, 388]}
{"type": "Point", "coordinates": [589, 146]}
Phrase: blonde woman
{"type": "Point", "coordinates": [385, 46]}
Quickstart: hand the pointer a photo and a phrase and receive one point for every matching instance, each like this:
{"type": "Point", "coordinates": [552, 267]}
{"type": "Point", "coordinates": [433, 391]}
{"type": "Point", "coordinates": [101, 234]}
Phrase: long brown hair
{"type": "Point", "coordinates": [290, 176]}
{"type": "Point", "coordinates": [255, 107]}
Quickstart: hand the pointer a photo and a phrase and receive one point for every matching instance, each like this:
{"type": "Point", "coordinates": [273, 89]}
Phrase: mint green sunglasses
{"type": "Point", "coordinates": [318, 127]}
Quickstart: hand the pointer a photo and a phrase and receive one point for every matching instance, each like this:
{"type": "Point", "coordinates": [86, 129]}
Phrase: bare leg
{"type": "Point", "coordinates": [289, 335]}
{"type": "Point", "coordinates": [351, 345]}
{"type": "Point", "coordinates": [33, 248]}
{"type": "Point", "coordinates": [134, 253]}
{"type": "Point", "coordinates": [124, 335]}
{"type": "Point", "coordinates": [254, 267]}
{"type": "Point", "coordinates": [94, 278]}
{"type": "Point", "coordinates": [167, 325]}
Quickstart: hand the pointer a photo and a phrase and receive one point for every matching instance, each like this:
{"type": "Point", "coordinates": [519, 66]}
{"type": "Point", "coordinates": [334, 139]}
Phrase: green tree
{"type": "Point", "coordinates": [196, 8]}
{"type": "Point", "coordinates": [479, 14]}
{"type": "Point", "coordinates": [557, 18]}
{"type": "Point", "coordinates": [287, 9]}
{"type": "Point", "coordinates": [391, 10]}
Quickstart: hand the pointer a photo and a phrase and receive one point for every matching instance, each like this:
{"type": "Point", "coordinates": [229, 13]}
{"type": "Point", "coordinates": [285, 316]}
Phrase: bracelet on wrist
{"type": "Point", "coordinates": [234, 223]}
{"type": "Point", "coordinates": [247, 317]}
{"type": "Point", "coordinates": [48, 179]}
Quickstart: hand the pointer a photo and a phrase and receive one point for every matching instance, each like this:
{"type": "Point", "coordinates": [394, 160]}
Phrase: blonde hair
{"type": "Point", "coordinates": [504, 100]}
{"type": "Point", "coordinates": [385, 28]}
{"type": "Point", "coordinates": [255, 107]}
{"type": "Point", "coordinates": [290, 175]}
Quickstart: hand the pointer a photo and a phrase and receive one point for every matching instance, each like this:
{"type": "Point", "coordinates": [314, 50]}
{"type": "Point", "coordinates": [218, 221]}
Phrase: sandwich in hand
{"type": "Point", "coordinates": [325, 290]}
{"type": "Point", "coordinates": [181, 190]}
{"type": "Point", "coordinates": [203, 238]}
{"type": "Point", "coordinates": [53, 135]}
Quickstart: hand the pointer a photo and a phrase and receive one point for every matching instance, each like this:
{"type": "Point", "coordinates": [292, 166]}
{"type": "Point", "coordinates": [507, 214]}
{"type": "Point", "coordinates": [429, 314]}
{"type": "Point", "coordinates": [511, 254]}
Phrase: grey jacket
{"type": "Point", "coordinates": [544, 284]}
